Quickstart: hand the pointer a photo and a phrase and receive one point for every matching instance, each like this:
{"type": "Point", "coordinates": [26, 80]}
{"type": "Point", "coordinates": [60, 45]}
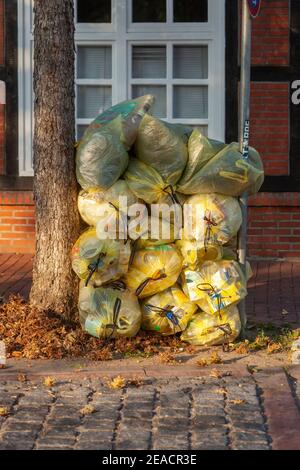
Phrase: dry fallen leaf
{"type": "Point", "coordinates": [252, 369]}
{"type": "Point", "coordinates": [215, 373]}
{"type": "Point", "coordinates": [273, 348]}
{"type": "Point", "coordinates": [3, 366]}
{"type": "Point", "coordinates": [49, 382]}
{"type": "Point", "coordinates": [237, 402]}
{"type": "Point", "coordinates": [222, 391]}
{"type": "Point", "coordinates": [22, 378]}
{"type": "Point", "coordinates": [16, 354]}
{"type": "Point", "coordinates": [218, 374]}
{"type": "Point", "coordinates": [167, 358]}
{"type": "Point", "coordinates": [135, 381]}
{"type": "Point", "coordinates": [243, 348]}
{"type": "Point", "coordinates": [117, 382]}
{"type": "Point", "coordinates": [4, 411]}
{"type": "Point", "coordinates": [214, 358]}
{"type": "Point", "coordinates": [87, 410]}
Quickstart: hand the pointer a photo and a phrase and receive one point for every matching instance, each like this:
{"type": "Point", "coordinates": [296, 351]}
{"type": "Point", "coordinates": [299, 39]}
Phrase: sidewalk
{"type": "Point", "coordinates": [246, 402]}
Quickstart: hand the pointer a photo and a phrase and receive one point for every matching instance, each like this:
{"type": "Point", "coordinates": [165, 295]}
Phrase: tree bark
{"type": "Point", "coordinates": [55, 188]}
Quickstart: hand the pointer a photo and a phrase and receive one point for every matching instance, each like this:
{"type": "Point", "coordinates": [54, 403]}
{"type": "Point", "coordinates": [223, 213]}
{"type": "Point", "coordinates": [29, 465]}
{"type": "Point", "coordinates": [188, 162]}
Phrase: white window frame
{"type": "Point", "coordinates": [122, 34]}
{"type": "Point", "coordinates": [169, 81]}
{"type": "Point", "coordinates": [25, 87]}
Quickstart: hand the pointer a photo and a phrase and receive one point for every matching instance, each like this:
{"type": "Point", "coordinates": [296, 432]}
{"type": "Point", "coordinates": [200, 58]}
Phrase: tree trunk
{"type": "Point", "coordinates": [55, 189]}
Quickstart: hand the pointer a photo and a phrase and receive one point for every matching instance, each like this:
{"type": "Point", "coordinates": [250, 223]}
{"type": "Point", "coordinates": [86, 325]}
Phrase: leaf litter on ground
{"type": "Point", "coordinates": [34, 334]}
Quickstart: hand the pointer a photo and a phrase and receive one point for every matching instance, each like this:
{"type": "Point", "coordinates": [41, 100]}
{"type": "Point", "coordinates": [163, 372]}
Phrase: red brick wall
{"type": "Point", "coordinates": [274, 225]}
{"type": "Point", "coordinates": [16, 222]}
{"type": "Point", "coordinates": [271, 34]}
{"type": "Point", "coordinates": [270, 125]}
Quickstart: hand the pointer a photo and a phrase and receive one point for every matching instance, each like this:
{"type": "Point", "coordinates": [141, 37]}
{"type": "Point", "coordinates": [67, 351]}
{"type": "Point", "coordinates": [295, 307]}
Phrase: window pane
{"type": "Point", "coordinates": [190, 62]}
{"type": "Point", "coordinates": [94, 62]}
{"type": "Point", "coordinates": [93, 11]}
{"type": "Point", "coordinates": [80, 131]}
{"type": "Point", "coordinates": [190, 11]}
{"type": "Point", "coordinates": [92, 100]}
{"type": "Point", "coordinates": [149, 11]}
{"type": "Point", "coordinates": [160, 106]}
{"type": "Point", "coordinates": [149, 62]}
{"type": "Point", "coordinates": [190, 102]}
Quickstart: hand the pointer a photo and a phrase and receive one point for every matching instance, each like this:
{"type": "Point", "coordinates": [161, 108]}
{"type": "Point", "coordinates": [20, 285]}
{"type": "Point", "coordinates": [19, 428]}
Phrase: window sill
{"type": "Point", "coordinates": [16, 183]}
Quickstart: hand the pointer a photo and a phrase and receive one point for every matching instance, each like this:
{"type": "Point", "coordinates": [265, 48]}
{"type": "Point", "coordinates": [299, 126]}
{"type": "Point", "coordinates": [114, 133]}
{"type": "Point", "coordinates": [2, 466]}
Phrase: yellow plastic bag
{"type": "Point", "coordinates": [209, 330]}
{"type": "Point", "coordinates": [153, 270]}
{"type": "Point", "coordinates": [146, 183]}
{"type": "Point", "coordinates": [194, 252]}
{"type": "Point", "coordinates": [216, 285]}
{"type": "Point", "coordinates": [170, 206]}
{"type": "Point", "coordinates": [162, 147]}
{"type": "Point", "coordinates": [167, 312]}
{"type": "Point", "coordinates": [109, 313]}
{"type": "Point", "coordinates": [227, 173]}
{"type": "Point", "coordinates": [96, 206]}
{"type": "Point", "coordinates": [151, 231]}
{"type": "Point", "coordinates": [99, 261]}
{"type": "Point", "coordinates": [101, 155]}
{"type": "Point", "coordinates": [200, 150]}
{"type": "Point", "coordinates": [212, 218]}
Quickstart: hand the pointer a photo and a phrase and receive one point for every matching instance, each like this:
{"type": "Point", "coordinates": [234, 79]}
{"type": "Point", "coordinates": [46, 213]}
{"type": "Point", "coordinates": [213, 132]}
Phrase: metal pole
{"type": "Point", "coordinates": [244, 115]}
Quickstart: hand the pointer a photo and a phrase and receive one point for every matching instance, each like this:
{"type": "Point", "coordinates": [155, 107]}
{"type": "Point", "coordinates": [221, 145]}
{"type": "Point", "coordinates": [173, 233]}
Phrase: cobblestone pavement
{"type": "Point", "coordinates": [176, 414]}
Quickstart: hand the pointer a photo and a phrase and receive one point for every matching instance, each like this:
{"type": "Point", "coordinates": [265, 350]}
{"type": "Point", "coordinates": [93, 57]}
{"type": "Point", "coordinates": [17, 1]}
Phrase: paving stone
{"type": "Point", "coordinates": [171, 445]}
{"type": "Point", "coordinates": [91, 445]}
{"type": "Point", "coordinates": [248, 436]}
{"type": "Point", "coordinates": [136, 444]}
{"type": "Point", "coordinates": [58, 433]}
{"type": "Point", "coordinates": [63, 440]}
{"type": "Point", "coordinates": [251, 446]}
{"type": "Point", "coordinates": [18, 435]}
{"type": "Point", "coordinates": [6, 444]}
{"type": "Point", "coordinates": [97, 424]}
{"type": "Point", "coordinates": [96, 435]}
{"type": "Point", "coordinates": [138, 414]}
{"type": "Point", "coordinates": [28, 417]}
{"type": "Point", "coordinates": [63, 422]}
{"type": "Point", "coordinates": [53, 447]}
{"type": "Point", "coordinates": [21, 426]}
{"type": "Point", "coordinates": [181, 413]}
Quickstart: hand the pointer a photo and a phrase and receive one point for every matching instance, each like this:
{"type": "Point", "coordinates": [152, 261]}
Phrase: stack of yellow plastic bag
{"type": "Point", "coordinates": [98, 261]}
{"type": "Point", "coordinates": [214, 167]}
{"type": "Point", "coordinates": [215, 285]}
{"type": "Point", "coordinates": [101, 155]}
{"type": "Point", "coordinates": [210, 330]}
{"type": "Point", "coordinates": [107, 210]}
{"type": "Point", "coordinates": [161, 200]}
{"type": "Point", "coordinates": [153, 270]}
{"type": "Point", "coordinates": [167, 312]}
{"type": "Point", "coordinates": [109, 313]}
{"type": "Point", "coordinates": [210, 221]}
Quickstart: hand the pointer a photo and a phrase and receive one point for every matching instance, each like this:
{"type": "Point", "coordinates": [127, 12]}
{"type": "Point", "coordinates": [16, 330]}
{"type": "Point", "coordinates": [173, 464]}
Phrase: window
{"type": "Point", "coordinates": [173, 49]}
{"type": "Point", "coordinates": [94, 11]}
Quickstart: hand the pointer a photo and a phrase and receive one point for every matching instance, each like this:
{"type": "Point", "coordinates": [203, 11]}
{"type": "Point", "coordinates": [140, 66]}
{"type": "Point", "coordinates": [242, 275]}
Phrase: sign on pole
{"type": "Point", "coordinates": [254, 7]}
